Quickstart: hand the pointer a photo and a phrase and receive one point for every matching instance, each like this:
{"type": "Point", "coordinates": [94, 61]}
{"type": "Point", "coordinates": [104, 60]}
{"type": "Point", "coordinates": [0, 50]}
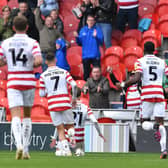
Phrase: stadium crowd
{"type": "Point", "coordinates": [105, 30]}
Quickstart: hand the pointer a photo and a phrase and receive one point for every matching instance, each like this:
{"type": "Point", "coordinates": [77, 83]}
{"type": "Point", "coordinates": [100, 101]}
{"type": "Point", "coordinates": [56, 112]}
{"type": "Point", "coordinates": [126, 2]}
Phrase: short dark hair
{"type": "Point", "coordinates": [90, 15]}
{"type": "Point", "coordinates": [23, 1]}
{"type": "Point", "coordinates": [96, 67]}
{"type": "Point", "coordinates": [20, 23]}
{"type": "Point", "coordinates": [6, 6]}
{"type": "Point", "coordinates": [149, 47]}
{"type": "Point", "coordinates": [54, 10]}
{"type": "Point", "coordinates": [50, 56]}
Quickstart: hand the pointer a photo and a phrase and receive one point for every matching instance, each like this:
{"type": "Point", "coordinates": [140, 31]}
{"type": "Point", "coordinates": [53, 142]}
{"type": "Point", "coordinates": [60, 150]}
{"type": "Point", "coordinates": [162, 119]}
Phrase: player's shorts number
{"type": "Point", "coordinates": [19, 57]}
{"type": "Point", "coordinates": [78, 116]}
{"type": "Point", "coordinates": [152, 72]}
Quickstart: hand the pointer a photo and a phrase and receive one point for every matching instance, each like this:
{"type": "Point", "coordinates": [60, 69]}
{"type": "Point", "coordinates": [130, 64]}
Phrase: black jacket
{"type": "Point", "coordinates": [32, 30]}
{"type": "Point", "coordinates": [104, 12]}
{"type": "Point", "coordinates": [59, 25]}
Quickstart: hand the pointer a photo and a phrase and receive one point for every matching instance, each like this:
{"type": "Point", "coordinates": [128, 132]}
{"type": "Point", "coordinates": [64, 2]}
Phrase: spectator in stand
{"type": "Point", "coordinates": [24, 10]}
{"type": "Point", "coordinates": [87, 9]}
{"type": "Point", "coordinates": [47, 6]}
{"type": "Point", "coordinates": [48, 35]}
{"type": "Point", "coordinates": [90, 38]}
{"type": "Point", "coordinates": [104, 14]}
{"type": "Point", "coordinates": [98, 88]}
{"type": "Point", "coordinates": [61, 52]}
{"type": "Point", "coordinates": [5, 24]}
{"type": "Point", "coordinates": [58, 23]}
{"type": "Point", "coordinates": [31, 3]}
{"type": "Point", "coordinates": [128, 11]}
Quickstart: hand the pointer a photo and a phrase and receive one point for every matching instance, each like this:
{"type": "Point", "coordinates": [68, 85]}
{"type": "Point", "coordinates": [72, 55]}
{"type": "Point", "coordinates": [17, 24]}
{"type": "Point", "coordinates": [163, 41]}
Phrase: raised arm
{"type": "Point", "coordinates": [38, 19]}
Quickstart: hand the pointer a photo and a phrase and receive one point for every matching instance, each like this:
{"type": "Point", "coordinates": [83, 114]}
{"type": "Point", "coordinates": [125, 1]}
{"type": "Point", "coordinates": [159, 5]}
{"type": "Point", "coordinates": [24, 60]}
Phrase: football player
{"type": "Point", "coordinates": [54, 84]}
{"type": "Point", "coordinates": [22, 54]}
{"type": "Point", "coordinates": [81, 113]}
{"type": "Point", "coordinates": [150, 69]}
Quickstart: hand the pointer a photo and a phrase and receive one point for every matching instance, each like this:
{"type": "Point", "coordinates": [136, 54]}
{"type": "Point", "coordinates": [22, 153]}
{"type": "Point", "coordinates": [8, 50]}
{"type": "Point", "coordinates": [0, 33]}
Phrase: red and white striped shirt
{"type": "Point", "coordinates": [81, 113]}
{"type": "Point", "coordinates": [19, 52]}
{"type": "Point", "coordinates": [133, 97]}
{"type": "Point", "coordinates": [152, 69]}
{"type": "Point", "coordinates": [54, 81]}
{"type": "Point", "coordinates": [128, 4]}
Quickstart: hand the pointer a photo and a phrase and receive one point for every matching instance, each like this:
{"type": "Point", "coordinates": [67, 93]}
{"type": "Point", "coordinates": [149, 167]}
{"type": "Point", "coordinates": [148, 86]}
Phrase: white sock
{"type": "Point", "coordinates": [163, 138]}
{"type": "Point", "coordinates": [26, 133]}
{"type": "Point", "coordinates": [147, 126]}
{"type": "Point", "coordinates": [17, 132]}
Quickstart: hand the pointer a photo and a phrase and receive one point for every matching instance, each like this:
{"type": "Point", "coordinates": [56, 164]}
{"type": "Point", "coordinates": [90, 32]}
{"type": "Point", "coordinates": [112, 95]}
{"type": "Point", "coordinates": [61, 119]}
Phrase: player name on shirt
{"type": "Point", "coordinates": [19, 52]}
{"type": "Point", "coordinates": [152, 69]}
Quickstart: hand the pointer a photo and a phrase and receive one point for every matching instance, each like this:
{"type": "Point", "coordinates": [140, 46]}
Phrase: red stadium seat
{"type": "Point", "coordinates": [131, 55]}
{"type": "Point", "coordinates": [145, 9]}
{"type": "Point", "coordinates": [162, 7]}
{"type": "Point", "coordinates": [39, 111]}
{"type": "Point", "coordinates": [80, 83]}
{"type": "Point", "coordinates": [163, 25]}
{"type": "Point", "coordinates": [13, 4]}
{"type": "Point", "coordinates": [151, 2]}
{"type": "Point", "coordinates": [131, 38]}
{"type": "Point", "coordinates": [85, 100]}
{"type": "Point", "coordinates": [74, 55]}
{"type": "Point", "coordinates": [70, 23]}
{"type": "Point", "coordinates": [3, 87]}
{"type": "Point", "coordinates": [77, 71]}
{"type": "Point", "coordinates": [70, 37]}
{"type": "Point", "coordinates": [116, 37]}
{"type": "Point", "coordinates": [152, 35]}
{"type": "Point", "coordinates": [113, 55]}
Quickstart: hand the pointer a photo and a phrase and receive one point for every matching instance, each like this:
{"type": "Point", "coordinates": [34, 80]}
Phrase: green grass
{"type": "Point", "coordinates": [90, 160]}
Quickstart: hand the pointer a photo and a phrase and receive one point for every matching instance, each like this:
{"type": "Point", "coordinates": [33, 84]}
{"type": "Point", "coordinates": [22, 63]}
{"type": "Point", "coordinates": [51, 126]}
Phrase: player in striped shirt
{"type": "Point", "coordinates": [81, 113]}
{"type": "Point", "coordinates": [54, 84]}
{"type": "Point", "coordinates": [21, 54]}
{"type": "Point", "coordinates": [132, 96]}
{"type": "Point", "coordinates": [150, 70]}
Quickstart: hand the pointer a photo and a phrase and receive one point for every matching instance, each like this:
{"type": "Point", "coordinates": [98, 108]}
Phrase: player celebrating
{"type": "Point", "coordinates": [150, 70]}
{"type": "Point", "coordinates": [81, 112]}
{"type": "Point", "coordinates": [53, 83]}
{"type": "Point", "coordinates": [21, 54]}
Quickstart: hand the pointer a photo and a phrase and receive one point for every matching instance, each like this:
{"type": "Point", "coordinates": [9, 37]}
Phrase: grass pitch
{"type": "Point", "coordinates": [90, 160]}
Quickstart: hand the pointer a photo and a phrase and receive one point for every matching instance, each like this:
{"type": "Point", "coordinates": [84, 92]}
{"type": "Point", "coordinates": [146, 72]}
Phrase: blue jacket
{"type": "Point", "coordinates": [48, 6]}
{"type": "Point", "coordinates": [90, 44]}
{"type": "Point", "coordinates": [61, 55]}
